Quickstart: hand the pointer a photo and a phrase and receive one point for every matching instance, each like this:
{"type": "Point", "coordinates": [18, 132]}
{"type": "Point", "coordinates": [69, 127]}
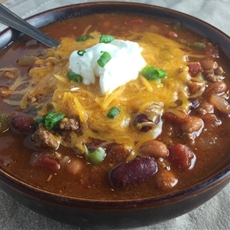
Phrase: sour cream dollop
{"type": "Point", "coordinates": [124, 66]}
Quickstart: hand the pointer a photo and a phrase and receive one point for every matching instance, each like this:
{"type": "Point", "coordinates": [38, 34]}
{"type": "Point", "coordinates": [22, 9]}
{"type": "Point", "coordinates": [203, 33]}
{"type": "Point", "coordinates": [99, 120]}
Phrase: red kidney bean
{"type": "Point", "coordinates": [195, 68]}
{"type": "Point", "coordinates": [182, 157]}
{"type": "Point", "coordinates": [132, 173]}
{"type": "Point", "coordinates": [141, 118]}
{"type": "Point", "coordinates": [22, 124]}
{"type": "Point", "coordinates": [45, 160]}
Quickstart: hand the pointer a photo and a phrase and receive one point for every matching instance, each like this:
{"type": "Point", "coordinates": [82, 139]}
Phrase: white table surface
{"type": "Point", "coordinates": [214, 214]}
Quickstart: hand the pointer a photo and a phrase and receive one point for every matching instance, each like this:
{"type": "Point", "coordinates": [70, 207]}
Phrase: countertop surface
{"type": "Point", "coordinates": [214, 214]}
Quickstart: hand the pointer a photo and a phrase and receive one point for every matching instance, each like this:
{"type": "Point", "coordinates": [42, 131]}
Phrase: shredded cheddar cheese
{"type": "Point", "coordinates": [51, 88]}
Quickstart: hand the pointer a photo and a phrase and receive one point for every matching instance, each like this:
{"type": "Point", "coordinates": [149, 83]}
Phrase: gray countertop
{"type": "Point", "coordinates": [214, 214]}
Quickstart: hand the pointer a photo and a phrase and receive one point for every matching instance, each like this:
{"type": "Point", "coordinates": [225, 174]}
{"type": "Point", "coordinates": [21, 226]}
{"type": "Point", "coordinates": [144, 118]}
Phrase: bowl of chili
{"type": "Point", "coordinates": [74, 151]}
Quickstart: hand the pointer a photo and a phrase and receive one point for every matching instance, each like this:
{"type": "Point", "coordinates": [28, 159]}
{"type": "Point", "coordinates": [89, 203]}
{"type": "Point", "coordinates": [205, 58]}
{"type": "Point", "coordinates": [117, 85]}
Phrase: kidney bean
{"type": "Point", "coordinates": [22, 124]}
{"type": "Point", "coordinates": [194, 102]}
{"type": "Point", "coordinates": [132, 173]}
{"type": "Point", "coordinates": [153, 148]}
{"type": "Point", "coordinates": [182, 157]}
{"type": "Point", "coordinates": [166, 179]}
{"type": "Point", "coordinates": [142, 118]}
{"type": "Point", "coordinates": [45, 160]}
{"type": "Point", "coordinates": [194, 68]}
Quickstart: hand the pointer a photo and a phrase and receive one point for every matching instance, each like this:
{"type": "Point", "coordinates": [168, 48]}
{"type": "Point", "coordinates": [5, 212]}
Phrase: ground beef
{"type": "Point", "coordinates": [69, 124]}
{"type": "Point", "coordinates": [43, 138]}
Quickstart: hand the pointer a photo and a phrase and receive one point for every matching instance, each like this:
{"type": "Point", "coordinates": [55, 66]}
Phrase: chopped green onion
{"type": "Point", "coordinates": [113, 112]}
{"type": "Point", "coordinates": [84, 38]}
{"type": "Point", "coordinates": [104, 59]}
{"type": "Point", "coordinates": [40, 120]}
{"type": "Point", "coordinates": [74, 77]}
{"type": "Point", "coordinates": [96, 156]}
{"type": "Point", "coordinates": [151, 73]}
{"type": "Point", "coordinates": [199, 45]}
{"type": "Point", "coordinates": [4, 122]}
{"type": "Point", "coordinates": [177, 26]}
{"type": "Point", "coordinates": [106, 38]}
{"type": "Point", "coordinates": [52, 119]}
{"type": "Point", "coordinates": [81, 52]}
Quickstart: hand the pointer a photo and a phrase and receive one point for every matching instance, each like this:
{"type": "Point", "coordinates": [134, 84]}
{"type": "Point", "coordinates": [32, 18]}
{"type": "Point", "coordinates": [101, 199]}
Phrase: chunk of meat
{"type": "Point", "coordinates": [69, 124]}
{"type": "Point", "coordinates": [43, 138]}
{"type": "Point", "coordinates": [182, 157]}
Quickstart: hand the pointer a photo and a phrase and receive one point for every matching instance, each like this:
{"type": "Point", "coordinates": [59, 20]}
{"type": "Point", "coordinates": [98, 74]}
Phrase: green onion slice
{"type": "Point", "coordinates": [4, 122]}
{"type": "Point", "coordinates": [96, 156]}
{"type": "Point", "coordinates": [84, 38]}
{"type": "Point", "coordinates": [198, 45]}
{"type": "Point", "coordinates": [40, 120]}
{"type": "Point", "coordinates": [113, 112]}
{"type": "Point", "coordinates": [104, 59]}
{"type": "Point", "coordinates": [81, 52]}
{"type": "Point", "coordinates": [106, 38]}
{"type": "Point", "coordinates": [151, 73]}
{"type": "Point", "coordinates": [74, 77]}
{"type": "Point", "coordinates": [52, 119]}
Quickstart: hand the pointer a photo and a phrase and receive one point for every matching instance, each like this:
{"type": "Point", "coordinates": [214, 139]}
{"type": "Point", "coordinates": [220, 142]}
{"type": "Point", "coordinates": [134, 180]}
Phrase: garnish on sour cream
{"type": "Point", "coordinates": [115, 63]}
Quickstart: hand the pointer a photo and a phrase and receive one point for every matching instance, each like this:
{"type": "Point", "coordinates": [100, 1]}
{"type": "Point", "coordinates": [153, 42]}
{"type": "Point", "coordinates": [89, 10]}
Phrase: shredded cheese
{"type": "Point", "coordinates": [48, 80]}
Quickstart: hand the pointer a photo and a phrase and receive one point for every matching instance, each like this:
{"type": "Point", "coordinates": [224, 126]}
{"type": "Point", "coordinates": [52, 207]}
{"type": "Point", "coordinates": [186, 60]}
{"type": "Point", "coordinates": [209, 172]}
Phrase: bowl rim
{"type": "Point", "coordinates": [221, 176]}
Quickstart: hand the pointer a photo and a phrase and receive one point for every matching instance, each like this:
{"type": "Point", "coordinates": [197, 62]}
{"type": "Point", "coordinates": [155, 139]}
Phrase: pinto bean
{"type": "Point", "coordinates": [220, 103]}
{"type": "Point", "coordinates": [153, 148]}
{"type": "Point", "coordinates": [132, 173]}
{"type": "Point", "coordinates": [75, 166]}
{"type": "Point", "coordinates": [206, 107]}
{"type": "Point", "coordinates": [209, 64]}
{"type": "Point", "coordinates": [219, 71]}
{"type": "Point", "coordinates": [182, 157]}
{"type": "Point", "coordinates": [216, 88]}
{"type": "Point", "coordinates": [22, 124]}
{"type": "Point", "coordinates": [166, 179]}
{"type": "Point", "coordinates": [194, 124]}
